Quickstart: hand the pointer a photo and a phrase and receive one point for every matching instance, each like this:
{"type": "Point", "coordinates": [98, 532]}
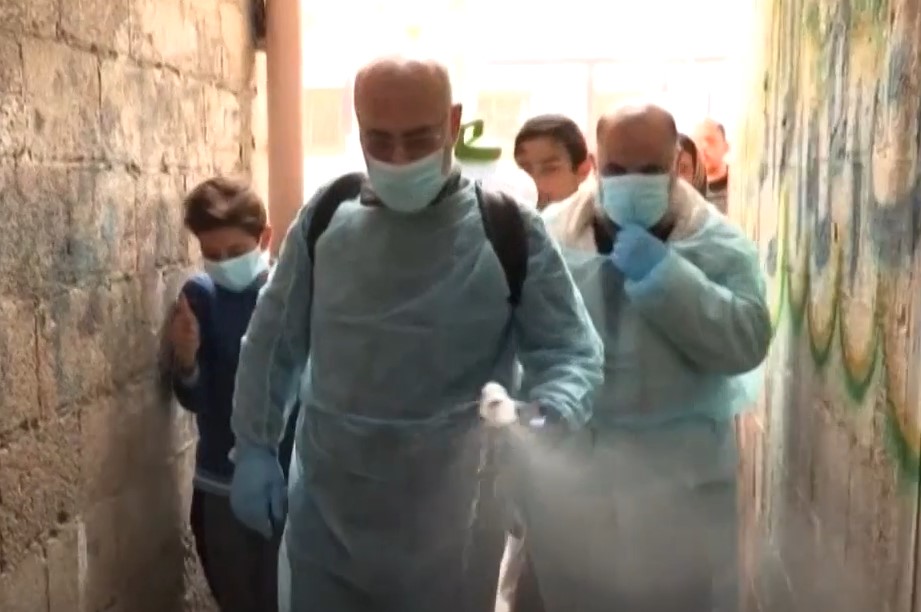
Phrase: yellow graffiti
{"type": "Point", "coordinates": [850, 301]}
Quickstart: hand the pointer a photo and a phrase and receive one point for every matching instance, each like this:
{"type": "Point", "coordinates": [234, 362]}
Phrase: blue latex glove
{"type": "Point", "coordinates": [259, 493]}
{"type": "Point", "coordinates": [636, 252]}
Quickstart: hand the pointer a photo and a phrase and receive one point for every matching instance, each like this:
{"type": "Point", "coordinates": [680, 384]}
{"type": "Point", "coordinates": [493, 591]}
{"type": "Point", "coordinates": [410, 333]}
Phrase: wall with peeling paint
{"type": "Point", "coordinates": [829, 183]}
{"type": "Point", "coordinates": [109, 111]}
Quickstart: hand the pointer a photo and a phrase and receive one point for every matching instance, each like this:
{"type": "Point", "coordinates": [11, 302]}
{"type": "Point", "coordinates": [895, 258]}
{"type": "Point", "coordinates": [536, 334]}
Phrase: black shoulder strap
{"type": "Point", "coordinates": [346, 187]}
{"type": "Point", "coordinates": [605, 232]}
{"type": "Point", "coordinates": [505, 228]}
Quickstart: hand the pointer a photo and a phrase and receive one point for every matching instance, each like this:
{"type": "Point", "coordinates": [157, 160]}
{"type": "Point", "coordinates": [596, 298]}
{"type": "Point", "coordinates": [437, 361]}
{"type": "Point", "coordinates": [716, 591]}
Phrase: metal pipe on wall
{"type": "Point", "coordinates": [285, 121]}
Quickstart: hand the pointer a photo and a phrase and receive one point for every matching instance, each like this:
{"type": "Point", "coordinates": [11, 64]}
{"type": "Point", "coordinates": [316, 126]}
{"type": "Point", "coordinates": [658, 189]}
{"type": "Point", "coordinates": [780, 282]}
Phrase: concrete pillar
{"type": "Point", "coordinates": [285, 122]}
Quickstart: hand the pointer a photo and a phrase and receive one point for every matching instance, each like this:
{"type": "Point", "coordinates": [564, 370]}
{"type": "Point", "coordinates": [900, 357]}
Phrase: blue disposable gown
{"type": "Point", "coordinates": [409, 320]}
{"type": "Point", "coordinates": [640, 514]}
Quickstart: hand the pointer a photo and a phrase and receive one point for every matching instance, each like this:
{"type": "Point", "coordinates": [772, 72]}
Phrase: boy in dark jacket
{"type": "Point", "coordinates": [209, 319]}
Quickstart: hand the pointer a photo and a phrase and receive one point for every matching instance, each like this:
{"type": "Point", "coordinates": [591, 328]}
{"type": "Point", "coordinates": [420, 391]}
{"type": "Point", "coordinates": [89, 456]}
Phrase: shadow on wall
{"type": "Point", "coordinates": [95, 469]}
{"type": "Point", "coordinates": [831, 187]}
{"type": "Point", "coordinates": [140, 555]}
{"type": "Point", "coordinates": [138, 462]}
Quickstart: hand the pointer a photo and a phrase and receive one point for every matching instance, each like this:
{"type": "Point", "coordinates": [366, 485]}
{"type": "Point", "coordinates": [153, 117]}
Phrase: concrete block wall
{"type": "Point", "coordinates": [109, 111]}
{"type": "Point", "coordinates": [829, 182]}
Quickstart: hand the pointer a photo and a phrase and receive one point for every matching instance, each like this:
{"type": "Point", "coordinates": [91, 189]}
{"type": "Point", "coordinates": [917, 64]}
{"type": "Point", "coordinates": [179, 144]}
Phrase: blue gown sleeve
{"type": "Point", "coordinates": [722, 328]}
{"type": "Point", "coordinates": [560, 352]}
{"type": "Point", "coordinates": [274, 350]}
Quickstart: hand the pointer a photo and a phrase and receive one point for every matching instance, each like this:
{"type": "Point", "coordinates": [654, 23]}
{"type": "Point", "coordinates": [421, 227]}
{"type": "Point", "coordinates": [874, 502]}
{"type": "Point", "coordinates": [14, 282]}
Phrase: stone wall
{"type": "Point", "coordinates": [109, 111]}
{"type": "Point", "coordinates": [830, 184]}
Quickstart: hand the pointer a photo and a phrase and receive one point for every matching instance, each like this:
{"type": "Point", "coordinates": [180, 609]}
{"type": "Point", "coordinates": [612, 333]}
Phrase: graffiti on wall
{"type": "Point", "coordinates": [832, 191]}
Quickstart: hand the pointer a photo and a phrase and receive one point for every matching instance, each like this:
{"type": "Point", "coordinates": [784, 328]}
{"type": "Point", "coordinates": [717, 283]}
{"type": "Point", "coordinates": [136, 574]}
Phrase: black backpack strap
{"type": "Point", "coordinates": [506, 230]}
{"type": "Point", "coordinates": [346, 187]}
{"type": "Point", "coordinates": [604, 232]}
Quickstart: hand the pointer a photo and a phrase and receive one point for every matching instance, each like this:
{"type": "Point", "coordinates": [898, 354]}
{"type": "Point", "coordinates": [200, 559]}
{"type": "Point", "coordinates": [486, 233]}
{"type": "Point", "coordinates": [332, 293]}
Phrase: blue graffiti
{"type": "Point", "coordinates": [893, 224]}
{"type": "Point", "coordinates": [771, 257]}
{"type": "Point", "coordinates": [858, 195]}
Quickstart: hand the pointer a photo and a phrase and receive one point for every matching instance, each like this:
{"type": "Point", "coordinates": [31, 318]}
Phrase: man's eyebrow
{"type": "Point", "coordinates": [611, 166]}
{"type": "Point", "coordinates": [416, 131]}
{"type": "Point", "coordinates": [419, 131]}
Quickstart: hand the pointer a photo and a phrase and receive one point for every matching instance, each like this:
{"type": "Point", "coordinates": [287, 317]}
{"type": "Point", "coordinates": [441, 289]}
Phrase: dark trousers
{"type": "Point", "coordinates": [241, 566]}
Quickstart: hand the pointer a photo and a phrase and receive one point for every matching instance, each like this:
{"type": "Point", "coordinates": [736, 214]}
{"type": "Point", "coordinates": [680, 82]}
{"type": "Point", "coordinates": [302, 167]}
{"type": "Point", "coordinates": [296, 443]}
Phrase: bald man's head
{"type": "Point", "coordinates": [710, 138]}
{"type": "Point", "coordinates": [637, 146]}
{"type": "Point", "coordinates": [404, 109]}
{"type": "Point", "coordinates": [637, 139]}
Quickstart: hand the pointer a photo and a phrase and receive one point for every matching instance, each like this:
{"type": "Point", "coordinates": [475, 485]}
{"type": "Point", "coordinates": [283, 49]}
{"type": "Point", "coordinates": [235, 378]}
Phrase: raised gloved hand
{"type": "Point", "coordinates": [636, 252]}
{"type": "Point", "coordinates": [259, 493]}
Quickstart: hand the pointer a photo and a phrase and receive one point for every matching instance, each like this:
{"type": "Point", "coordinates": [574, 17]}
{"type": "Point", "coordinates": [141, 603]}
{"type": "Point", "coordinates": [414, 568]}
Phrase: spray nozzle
{"type": "Point", "coordinates": [496, 407]}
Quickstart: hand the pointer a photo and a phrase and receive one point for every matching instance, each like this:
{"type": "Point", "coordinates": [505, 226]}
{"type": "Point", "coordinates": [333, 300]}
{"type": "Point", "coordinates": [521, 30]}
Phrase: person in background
{"type": "Point", "coordinates": [690, 165]}
{"type": "Point", "coordinates": [203, 333]}
{"type": "Point", "coordinates": [643, 519]}
{"type": "Point", "coordinates": [710, 138]}
{"type": "Point", "coordinates": [553, 151]}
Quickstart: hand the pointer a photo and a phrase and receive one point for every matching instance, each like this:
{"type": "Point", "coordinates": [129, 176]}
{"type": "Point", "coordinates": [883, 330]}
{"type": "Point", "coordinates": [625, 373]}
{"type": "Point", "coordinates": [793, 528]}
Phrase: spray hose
{"type": "Point", "coordinates": [491, 510]}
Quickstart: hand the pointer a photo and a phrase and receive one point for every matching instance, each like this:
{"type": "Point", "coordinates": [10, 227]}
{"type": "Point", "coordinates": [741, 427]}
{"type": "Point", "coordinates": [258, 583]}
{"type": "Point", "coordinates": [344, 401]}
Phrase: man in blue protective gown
{"type": "Point", "coordinates": [389, 335]}
{"type": "Point", "coordinates": [641, 517]}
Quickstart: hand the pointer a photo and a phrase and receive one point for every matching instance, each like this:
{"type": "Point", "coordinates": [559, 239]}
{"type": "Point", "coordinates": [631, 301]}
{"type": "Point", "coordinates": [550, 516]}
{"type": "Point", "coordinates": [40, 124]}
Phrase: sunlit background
{"type": "Point", "coordinates": [512, 59]}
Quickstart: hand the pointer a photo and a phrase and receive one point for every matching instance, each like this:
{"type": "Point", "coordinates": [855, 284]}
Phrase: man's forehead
{"type": "Point", "coordinates": [635, 143]}
{"type": "Point", "coordinates": [399, 114]}
{"type": "Point", "coordinates": [708, 130]}
{"type": "Point", "coordinates": [401, 95]}
{"type": "Point", "coordinates": [541, 150]}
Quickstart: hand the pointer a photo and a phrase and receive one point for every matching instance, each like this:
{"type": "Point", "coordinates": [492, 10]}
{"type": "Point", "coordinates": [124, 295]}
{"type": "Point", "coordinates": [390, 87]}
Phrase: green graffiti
{"type": "Point", "coordinates": [857, 382]}
{"type": "Point", "coordinates": [858, 371]}
{"type": "Point", "coordinates": [821, 29]}
{"type": "Point", "coordinates": [904, 455]}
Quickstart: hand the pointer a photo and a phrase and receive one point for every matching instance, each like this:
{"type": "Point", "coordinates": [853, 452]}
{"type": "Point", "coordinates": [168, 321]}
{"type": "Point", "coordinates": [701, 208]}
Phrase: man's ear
{"type": "Point", "coordinates": [266, 238]}
{"type": "Point", "coordinates": [457, 111]}
{"type": "Point", "coordinates": [585, 168]}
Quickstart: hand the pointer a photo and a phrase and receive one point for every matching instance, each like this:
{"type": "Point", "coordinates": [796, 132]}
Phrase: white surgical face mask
{"type": "Point", "coordinates": [411, 187]}
{"type": "Point", "coordinates": [635, 199]}
{"type": "Point", "coordinates": [238, 273]}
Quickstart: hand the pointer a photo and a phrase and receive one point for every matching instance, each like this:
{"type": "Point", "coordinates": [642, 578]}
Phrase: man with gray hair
{"type": "Point", "coordinates": [646, 521]}
{"type": "Point", "coordinates": [388, 318]}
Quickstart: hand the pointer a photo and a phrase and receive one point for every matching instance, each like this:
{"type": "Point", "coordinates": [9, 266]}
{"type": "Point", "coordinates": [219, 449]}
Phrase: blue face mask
{"type": "Point", "coordinates": [635, 199]}
{"type": "Point", "coordinates": [240, 272]}
{"type": "Point", "coordinates": [411, 187]}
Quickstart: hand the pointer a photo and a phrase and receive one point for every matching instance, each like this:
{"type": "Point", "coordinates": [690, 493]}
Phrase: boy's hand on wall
{"type": "Point", "coordinates": [184, 335]}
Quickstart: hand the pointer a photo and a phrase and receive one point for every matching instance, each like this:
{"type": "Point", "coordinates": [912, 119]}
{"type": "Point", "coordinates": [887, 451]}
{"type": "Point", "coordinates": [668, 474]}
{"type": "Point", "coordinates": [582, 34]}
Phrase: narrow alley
{"type": "Point", "coordinates": [111, 110]}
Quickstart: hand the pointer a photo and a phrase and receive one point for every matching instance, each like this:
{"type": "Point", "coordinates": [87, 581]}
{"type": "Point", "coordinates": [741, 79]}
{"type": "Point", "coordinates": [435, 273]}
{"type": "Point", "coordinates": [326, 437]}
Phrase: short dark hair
{"type": "Point", "coordinates": [559, 128]}
{"type": "Point", "coordinates": [687, 145]}
{"type": "Point", "coordinates": [221, 202]}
